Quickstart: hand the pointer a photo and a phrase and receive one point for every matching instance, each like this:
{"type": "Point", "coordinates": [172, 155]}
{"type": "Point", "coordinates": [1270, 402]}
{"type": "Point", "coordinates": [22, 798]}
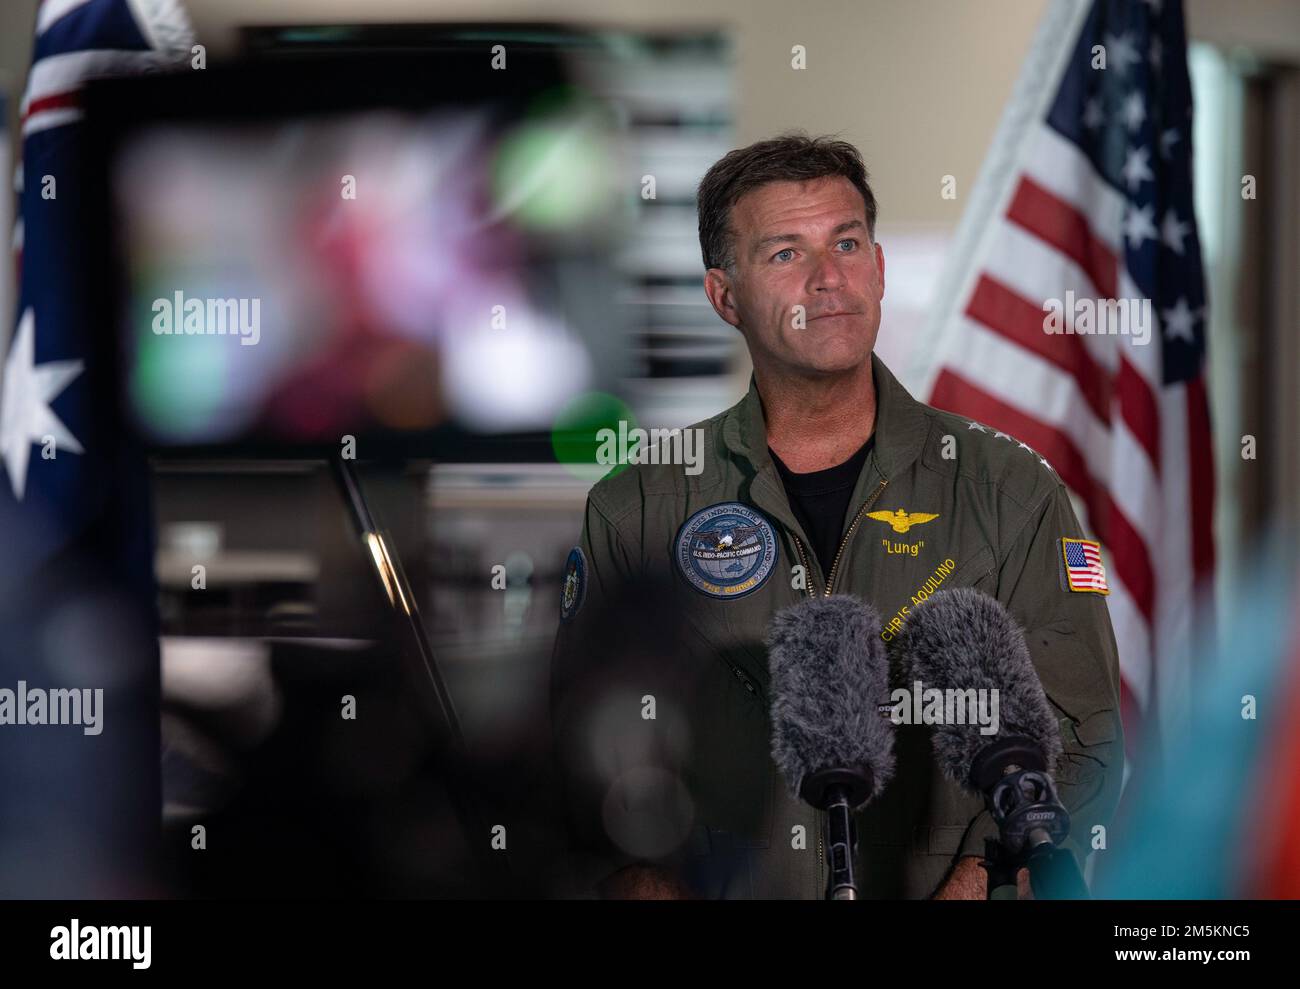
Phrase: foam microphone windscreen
{"type": "Point", "coordinates": [962, 639]}
{"type": "Point", "coordinates": [829, 671]}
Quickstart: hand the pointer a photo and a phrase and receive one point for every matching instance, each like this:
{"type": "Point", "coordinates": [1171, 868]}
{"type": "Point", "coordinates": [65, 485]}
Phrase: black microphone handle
{"type": "Point", "coordinates": [1000, 874]}
{"type": "Point", "coordinates": [841, 838]}
{"type": "Point", "coordinates": [838, 791]}
{"type": "Point", "coordinates": [1054, 874]}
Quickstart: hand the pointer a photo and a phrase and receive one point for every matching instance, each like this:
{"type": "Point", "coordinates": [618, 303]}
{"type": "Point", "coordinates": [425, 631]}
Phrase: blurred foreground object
{"type": "Point", "coordinates": [1218, 816]}
{"type": "Point", "coordinates": [77, 612]}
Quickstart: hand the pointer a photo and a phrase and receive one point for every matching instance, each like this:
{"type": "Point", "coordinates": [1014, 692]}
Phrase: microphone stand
{"type": "Point", "coordinates": [435, 697]}
{"type": "Point", "coordinates": [1032, 823]}
{"type": "Point", "coordinates": [838, 792]}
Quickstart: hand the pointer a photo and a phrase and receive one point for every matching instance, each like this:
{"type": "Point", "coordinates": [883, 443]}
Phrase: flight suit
{"type": "Point", "coordinates": [942, 502]}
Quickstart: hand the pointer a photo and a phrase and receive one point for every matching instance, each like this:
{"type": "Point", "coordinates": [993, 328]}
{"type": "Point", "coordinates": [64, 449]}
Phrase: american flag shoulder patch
{"type": "Point", "coordinates": [1084, 570]}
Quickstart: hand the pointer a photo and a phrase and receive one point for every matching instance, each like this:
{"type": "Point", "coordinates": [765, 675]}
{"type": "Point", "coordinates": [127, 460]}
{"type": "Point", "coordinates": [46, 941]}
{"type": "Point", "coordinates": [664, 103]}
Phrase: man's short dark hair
{"type": "Point", "coordinates": [790, 157]}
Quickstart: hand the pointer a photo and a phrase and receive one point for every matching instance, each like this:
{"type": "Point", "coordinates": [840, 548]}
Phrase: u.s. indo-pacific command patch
{"type": "Point", "coordinates": [726, 550]}
{"type": "Point", "coordinates": [573, 588]}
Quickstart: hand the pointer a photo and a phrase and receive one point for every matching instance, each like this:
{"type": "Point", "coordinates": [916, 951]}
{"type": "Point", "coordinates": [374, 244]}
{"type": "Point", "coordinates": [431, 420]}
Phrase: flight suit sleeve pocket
{"type": "Point", "coordinates": [1076, 688]}
{"type": "Point", "coordinates": [1096, 729]}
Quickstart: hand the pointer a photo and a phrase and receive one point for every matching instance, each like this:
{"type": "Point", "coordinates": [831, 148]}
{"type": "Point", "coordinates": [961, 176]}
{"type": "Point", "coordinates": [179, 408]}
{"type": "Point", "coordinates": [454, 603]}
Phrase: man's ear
{"type": "Point", "coordinates": [717, 286]}
{"type": "Point", "coordinates": [880, 264]}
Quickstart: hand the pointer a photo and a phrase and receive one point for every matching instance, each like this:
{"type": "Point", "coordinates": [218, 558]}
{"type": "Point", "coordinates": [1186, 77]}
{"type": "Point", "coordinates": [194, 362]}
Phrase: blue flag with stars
{"type": "Point", "coordinates": [1135, 125]}
{"type": "Point", "coordinates": [82, 807]}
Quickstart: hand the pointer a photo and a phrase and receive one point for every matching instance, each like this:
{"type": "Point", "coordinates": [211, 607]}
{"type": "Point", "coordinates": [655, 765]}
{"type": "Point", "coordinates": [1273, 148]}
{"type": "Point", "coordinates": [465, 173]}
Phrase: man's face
{"type": "Point", "coordinates": [802, 244]}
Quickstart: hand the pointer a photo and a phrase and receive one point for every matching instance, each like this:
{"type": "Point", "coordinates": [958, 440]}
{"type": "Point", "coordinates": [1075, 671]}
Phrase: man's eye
{"type": "Point", "coordinates": [777, 255]}
{"type": "Point", "coordinates": [849, 240]}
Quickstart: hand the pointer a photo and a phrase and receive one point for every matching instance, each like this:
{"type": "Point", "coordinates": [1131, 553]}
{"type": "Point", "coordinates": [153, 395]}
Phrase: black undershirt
{"type": "Point", "coordinates": [820, 500]}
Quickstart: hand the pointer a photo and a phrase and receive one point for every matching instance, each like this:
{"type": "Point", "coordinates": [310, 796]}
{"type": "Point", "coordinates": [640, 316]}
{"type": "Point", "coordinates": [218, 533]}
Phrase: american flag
{"type": "Point", "coordinates": [1087, 195]}
{"type": "Point", "coordinates": [1083, 567]}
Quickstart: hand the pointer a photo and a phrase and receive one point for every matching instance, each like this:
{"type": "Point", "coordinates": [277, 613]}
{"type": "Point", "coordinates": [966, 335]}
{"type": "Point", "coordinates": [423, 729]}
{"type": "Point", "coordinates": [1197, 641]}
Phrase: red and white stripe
{"type": "Point", "coordinates": [1135, 453]}
{"type": "Point", "coordinates": [53, 83]}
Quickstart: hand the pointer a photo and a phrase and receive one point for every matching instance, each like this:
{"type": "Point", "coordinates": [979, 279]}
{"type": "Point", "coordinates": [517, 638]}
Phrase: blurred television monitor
{"type": "Point", "coordinates": [410, 249]}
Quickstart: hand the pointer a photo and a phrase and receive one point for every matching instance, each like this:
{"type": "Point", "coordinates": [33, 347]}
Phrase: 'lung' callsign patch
{"type": "Point", "coordinates": [1084, 570]}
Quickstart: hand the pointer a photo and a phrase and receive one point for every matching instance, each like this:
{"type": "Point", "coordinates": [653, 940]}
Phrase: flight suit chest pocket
{"type": "Point", "coordinates": [896, 601]}
{"type": "Point", "coordinates": [727, 635]}
{"type": "Point", "coordinates": [731, 776]}
{"type": "Point", "coordinates": [977, 570]}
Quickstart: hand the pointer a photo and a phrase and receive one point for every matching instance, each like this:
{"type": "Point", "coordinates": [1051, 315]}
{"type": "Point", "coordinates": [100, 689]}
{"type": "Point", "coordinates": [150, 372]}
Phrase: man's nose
{"type": "Point", "coordinates": [826, 274]}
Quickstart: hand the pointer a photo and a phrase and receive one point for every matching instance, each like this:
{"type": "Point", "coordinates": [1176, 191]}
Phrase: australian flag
{"type": "Point", "coordinates": [80, 813]}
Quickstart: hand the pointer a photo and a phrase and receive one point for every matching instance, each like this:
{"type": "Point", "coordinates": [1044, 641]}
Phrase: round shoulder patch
{"type": "Point", "coordinates": [573, 588]}
{"type": "Point", "coordinates": [726, 550]}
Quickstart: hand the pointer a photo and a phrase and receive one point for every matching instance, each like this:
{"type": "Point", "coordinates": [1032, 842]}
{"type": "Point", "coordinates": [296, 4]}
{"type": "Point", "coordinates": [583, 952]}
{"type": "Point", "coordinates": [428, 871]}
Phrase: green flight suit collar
{"type": "Point", "coordinates": [900, 424]}
{"type": "Point", "coordinates": [900, 432]}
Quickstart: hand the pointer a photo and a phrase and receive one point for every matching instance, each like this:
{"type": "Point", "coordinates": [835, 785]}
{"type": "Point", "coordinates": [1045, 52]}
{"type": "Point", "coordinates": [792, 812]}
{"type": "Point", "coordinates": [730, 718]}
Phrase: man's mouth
{"type": "Point", "coordinates": [831, 315]}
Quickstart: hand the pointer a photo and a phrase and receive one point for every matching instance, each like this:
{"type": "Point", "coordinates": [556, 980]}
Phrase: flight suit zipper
{"type": "Point", "coordinates": [830, 584]}
{"type": "Point", "coordinates": [803, 560]}
{"type": "Point", "coordinates": [875, 495]}
{"type": "Point", "coordinates": [830, 580]}
{"type": "Point", "coordinates": [744, 679]}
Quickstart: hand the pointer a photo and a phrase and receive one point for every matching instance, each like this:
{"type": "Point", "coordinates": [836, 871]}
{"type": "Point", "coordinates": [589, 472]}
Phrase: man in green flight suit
{"type": "Point", "coordinates": [826, 478]}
